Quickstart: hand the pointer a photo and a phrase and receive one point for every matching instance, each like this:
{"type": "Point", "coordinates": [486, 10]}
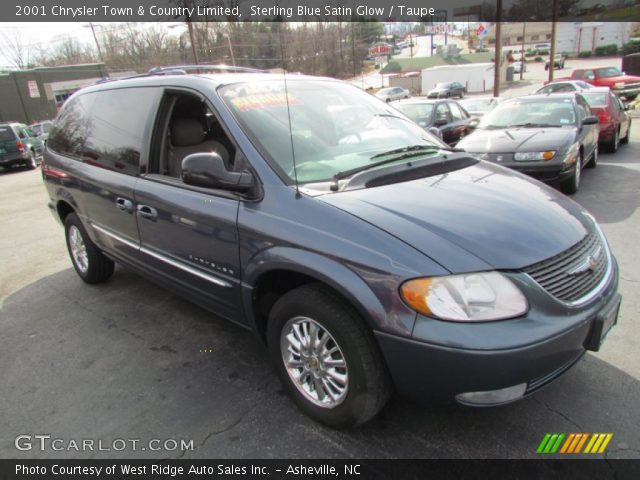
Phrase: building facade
{"type": "Point", "coordinates": [30, 96]}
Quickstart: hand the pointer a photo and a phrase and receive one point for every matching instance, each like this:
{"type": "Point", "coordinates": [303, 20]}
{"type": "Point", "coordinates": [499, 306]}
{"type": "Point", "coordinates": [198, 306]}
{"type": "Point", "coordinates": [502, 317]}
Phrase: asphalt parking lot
{"type": "Point", "coordinates": [129, 360]}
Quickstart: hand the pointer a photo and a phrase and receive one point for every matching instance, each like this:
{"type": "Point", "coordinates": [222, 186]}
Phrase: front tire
{"type": "Point", "coordinates": [572, 185]}
{"type": "Point", "coordinates": [90, 263]}
{"type": "Point", "coordinates": [326, 357]}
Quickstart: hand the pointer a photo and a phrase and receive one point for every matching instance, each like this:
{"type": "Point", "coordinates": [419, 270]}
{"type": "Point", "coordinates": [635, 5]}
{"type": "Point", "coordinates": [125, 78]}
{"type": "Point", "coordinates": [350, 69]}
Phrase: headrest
{"type": "Point", "coordinates": [186, 132]}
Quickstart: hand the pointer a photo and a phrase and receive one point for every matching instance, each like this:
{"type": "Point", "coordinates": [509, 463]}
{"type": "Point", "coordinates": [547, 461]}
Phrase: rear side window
{"type": "Point", "coordinates": [118, 122]}
{"type": "Point", "coordinates": [105, 129]}
{"type": "Point", "coordinates": [6, 134]}
{"type": "Point", "coordinates": [68, 135]}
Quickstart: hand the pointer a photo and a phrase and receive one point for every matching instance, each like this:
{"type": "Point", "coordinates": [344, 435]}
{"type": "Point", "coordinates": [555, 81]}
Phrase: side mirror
{"type": "Point", "coordinates": [435, 132]}
{"type": "Point", "coordinates": [591, 120]}
{"type": "Point", "coordinates": [209, 171]}
{"type": "Point", "coordinates": [627, 106]}
{"type": "Point", "coordinates": [473, 123]}
{"type": "Point", "coordinates": [438, 122]}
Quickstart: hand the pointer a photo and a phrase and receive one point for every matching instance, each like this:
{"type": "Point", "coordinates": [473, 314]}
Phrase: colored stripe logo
{"type": "Point", "coordinates": [574, 443]}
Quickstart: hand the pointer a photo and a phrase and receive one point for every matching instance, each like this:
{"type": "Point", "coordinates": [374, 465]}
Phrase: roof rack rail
{"type": "Point", "coordinates": [182, 69]}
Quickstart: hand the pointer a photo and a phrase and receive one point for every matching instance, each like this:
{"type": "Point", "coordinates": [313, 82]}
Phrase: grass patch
{"type": "Point", "coordinates": [419, 63]}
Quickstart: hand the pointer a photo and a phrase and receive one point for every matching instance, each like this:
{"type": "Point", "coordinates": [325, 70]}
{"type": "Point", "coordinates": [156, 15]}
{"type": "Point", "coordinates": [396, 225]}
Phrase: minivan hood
{"type": "Point", "coordinates": [513, 140]}
{"type": "Point", "coordinates": [477, 218]}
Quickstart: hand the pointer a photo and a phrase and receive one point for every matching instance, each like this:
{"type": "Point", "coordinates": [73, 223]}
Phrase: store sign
{"type": "Point", "coordinates": [34, 92]}
{"type": "Point", "coordinates": [379, 49]}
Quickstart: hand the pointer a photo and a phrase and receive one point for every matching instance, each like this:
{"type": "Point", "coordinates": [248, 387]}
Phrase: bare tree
{"type": "Point", "coordinates": [16, 50]}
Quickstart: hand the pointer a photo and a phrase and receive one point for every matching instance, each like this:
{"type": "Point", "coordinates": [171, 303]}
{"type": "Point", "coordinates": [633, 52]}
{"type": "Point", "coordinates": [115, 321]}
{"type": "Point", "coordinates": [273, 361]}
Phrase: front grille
{"type": "Point", "coordinates": [575, 272]}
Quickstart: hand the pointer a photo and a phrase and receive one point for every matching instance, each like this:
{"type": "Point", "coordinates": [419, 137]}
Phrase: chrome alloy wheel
{"type": "Point", "coordinates": [78, 249]}
{"type": "Point", "coordinates": [314, 361]}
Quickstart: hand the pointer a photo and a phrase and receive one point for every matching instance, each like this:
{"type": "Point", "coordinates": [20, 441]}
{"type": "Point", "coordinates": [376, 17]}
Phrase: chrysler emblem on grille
{"type": "Point", "coordinates": [590, 262]}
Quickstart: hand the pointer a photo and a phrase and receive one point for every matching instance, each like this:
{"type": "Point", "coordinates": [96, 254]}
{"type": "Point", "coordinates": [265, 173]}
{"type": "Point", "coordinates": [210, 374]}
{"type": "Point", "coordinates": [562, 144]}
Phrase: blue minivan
{"type": "Point", "coordinates": [365, 253]}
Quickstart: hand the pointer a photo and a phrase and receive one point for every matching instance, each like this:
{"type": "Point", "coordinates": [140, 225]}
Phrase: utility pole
{"type": "Point", "coordinates": [552, 52]}
{"type": "Point", "coordinates": [411, 43]}
{"type": "Point", "coordinates": [498, 51]}
{"type": "Point", "coordinates": [353, 50]}
{"type": "Point", "coordinates": [233, 59]}
{"type": "Point", "coordinates": [524, 26]}
{"type": "Point", "coordinates": [193, 43]}
{"type": "Point", "coordinates": [95, 37]}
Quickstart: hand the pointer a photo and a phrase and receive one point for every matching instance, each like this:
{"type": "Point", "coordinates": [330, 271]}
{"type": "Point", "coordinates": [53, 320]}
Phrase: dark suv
{"type": "Point", "coordinates": [19, 146]}
{"type": "Point", "coordinates": [363, 251]}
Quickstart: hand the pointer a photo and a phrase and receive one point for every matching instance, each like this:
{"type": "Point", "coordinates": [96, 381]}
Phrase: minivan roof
{"type": "Point", "coordinates": [181, 80]}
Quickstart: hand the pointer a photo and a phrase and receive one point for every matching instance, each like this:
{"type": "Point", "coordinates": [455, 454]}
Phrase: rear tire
{"type": "Point", "coordinates": [32, 163]}
{"type": "Point", "coordinates": [309, 374]}
{"type": "Point", "coordinates": [593, 162]}
{"type": "Point", "coordinates": [613, 145]}
{"type": "Point", "coordinates": [625, 140]}
{"type": "Point", "coordinates": [90, 263]}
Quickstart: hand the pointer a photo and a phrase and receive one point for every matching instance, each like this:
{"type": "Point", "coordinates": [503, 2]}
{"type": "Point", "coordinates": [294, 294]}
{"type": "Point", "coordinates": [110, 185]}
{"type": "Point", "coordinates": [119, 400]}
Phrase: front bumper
{"type": "Point", "coordinates": [627, 92]}
{"type": "Point", "coordinates": [547, 173]}
{"type": "Point", "coordinates": [447, 359]}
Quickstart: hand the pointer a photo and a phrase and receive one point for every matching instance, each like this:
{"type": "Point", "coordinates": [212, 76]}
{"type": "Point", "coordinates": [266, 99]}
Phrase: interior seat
{"type": "Point", "coordinates": [187, 136]}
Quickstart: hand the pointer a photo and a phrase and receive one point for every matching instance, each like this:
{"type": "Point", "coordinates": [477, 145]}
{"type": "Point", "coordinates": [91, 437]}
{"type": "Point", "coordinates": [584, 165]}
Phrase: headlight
{"type": "Point", "coordinates": [469, 297]}
{"type": "Point", "coordinates": [618, 85]}
{"type": "Point", "coordinates": [530, 156]}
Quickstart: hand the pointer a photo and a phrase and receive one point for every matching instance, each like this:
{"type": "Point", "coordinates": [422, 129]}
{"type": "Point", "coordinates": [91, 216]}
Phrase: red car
{"type": "Point", "coordinates": [615, 123]}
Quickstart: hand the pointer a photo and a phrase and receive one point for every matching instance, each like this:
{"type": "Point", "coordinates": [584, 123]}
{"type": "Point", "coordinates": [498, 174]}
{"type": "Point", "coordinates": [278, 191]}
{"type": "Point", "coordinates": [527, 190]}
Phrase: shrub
{"type": "Point", "coordinates": [481, 50]}
{"type": "Point", "coordinates": [631, 47]}
{"type": "Point", "coordinates": [584, 54]}
{"type": "Point", "coordinates": [538, 59]}
{"type": "Point", "coordinates": [604, 50]}
{"type": "Point", "coordinates": [529, 53]}
{"type": "Point", "coordinates": [392, 67]}
{"type": "Point", "coordinates": [542, 52]}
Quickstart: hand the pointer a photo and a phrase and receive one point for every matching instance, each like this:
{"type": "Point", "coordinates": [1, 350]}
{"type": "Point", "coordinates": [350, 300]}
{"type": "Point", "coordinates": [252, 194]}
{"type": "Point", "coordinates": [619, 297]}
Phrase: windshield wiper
{"type": "Point", "coordinates": [369, 166]}
{"type": "Point", "coordinates": [410, 148]}
{"type": "Point", "coordinates": [533, 125]}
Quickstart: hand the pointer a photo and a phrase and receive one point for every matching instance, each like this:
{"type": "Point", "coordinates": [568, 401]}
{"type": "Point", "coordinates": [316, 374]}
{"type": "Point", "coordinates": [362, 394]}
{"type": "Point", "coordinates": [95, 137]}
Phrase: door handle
{"type": "Point", "coordinates": [124, 204]}
{"type": "Point", "coordinates": [147, 212]}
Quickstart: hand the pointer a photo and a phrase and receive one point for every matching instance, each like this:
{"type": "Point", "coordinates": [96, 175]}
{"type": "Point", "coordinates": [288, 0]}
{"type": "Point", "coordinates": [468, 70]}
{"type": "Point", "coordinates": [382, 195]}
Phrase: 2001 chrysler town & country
{"type": "Point", "coordinates": [365, 253]}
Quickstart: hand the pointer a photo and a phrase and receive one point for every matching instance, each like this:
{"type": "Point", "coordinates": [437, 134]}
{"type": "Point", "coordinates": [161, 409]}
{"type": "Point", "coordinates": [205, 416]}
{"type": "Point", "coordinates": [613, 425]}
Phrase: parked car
{"type": "Point", "coordinates": [391, 94]}
{"type": "Point", "coordinates": [558, 62]}
{"type": "Point", "coordinates": [364, 254]}
{"type": "Point", "coordinates": [627, 86]}
{"type": "Point", "coordinates": [615, 123]}
{"type": "Point", "coordinates": [446, 118]}
{"type": "Point", "coordinates": [550, 137]}
{"type": "Point", "coordinates": [563, 86]}
{"type": "Point", "coordinates": [41, 130]}
{"type": "Point", "coordinates": [447, 89]}
{"type": "Point", "coordinates": [542, 46]}
{"type": "Point", "coordinates": [478, 106]}
{"type": "Point", "coordinates": [19, 146]}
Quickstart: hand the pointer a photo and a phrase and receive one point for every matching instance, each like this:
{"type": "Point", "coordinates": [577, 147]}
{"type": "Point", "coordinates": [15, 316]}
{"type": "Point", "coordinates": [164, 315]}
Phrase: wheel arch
{"type": "Point", "coordinates": [279, 270]}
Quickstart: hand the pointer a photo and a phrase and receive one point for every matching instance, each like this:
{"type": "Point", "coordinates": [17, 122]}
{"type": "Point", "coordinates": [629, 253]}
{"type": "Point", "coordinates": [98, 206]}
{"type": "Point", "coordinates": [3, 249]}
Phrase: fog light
{"type": "Point", "coordinates": [492, 397]}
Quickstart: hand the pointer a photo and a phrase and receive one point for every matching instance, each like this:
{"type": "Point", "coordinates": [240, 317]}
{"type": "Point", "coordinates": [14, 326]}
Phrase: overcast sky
{"type": "Point", "coordinates": [45, 34]}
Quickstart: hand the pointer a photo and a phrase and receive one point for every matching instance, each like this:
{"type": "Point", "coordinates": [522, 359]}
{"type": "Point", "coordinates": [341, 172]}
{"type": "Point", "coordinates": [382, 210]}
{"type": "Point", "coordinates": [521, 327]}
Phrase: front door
{"type": "Point", "coordinates": [189, 235]}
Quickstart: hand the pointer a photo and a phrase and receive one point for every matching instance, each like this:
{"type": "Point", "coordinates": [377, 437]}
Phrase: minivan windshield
{"type": "Point", "coordinates": [335, 127]}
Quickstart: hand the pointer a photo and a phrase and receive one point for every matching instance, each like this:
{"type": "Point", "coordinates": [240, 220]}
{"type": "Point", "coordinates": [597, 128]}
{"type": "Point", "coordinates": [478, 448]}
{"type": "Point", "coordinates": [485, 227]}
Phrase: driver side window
{"type": "Point", "coordinates": [188, 126]}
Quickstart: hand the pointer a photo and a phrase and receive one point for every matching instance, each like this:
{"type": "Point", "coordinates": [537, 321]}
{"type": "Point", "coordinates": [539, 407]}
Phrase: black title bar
{"type": "Point", "coordinates": [315, 10]}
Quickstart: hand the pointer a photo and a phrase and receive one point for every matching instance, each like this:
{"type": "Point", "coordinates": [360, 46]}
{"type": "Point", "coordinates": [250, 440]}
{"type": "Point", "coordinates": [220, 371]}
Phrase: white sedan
{"type": "Point", "coordinates": [390, 94]}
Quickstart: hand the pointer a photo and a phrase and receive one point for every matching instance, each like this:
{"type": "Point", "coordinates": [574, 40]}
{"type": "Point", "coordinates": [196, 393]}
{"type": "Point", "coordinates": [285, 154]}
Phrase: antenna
{"type": "Point", "coordinates": [286, 94]}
